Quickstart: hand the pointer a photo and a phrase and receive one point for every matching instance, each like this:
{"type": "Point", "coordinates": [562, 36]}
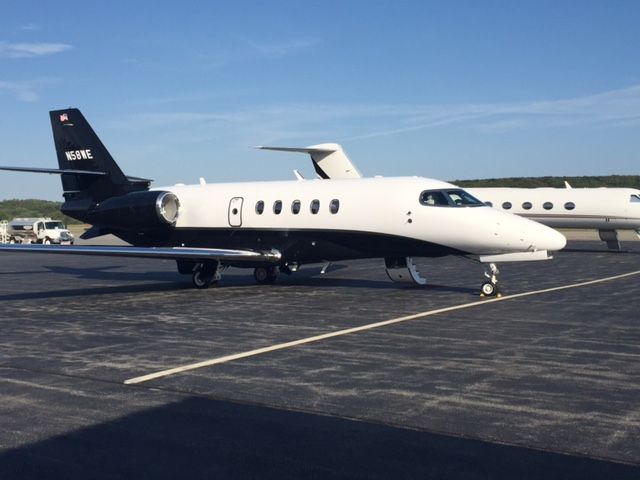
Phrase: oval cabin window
{"type": "Point", "coordinates": [569, 206]}
{"type": "Point", "coordinates": [277, 207]}
{"type": "Point", "coordinates": [506, 205]}
{"type": "Point", "coordinates": [334, 206]}
{"type": "Point", "coordinates": [315, 206]}
{"type": "Point", "coordinates": [295, 207]}
{"type": "Point", "coordinates": [547, 205]}
{"type": "Point", "coordinates": [259, 207]}
{"type": "Point", "coordinates": [527, 205]}
{"type": "Point", "coordinates": [489, 204]}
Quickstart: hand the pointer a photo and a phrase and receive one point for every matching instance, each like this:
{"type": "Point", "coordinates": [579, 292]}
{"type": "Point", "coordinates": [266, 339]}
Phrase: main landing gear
{"type": "Point", "coordinates": [205, 274]}
{"type": "Point", "coordinates": [265, 275]}
{"type": "Point", "coordinates": [490, 287]}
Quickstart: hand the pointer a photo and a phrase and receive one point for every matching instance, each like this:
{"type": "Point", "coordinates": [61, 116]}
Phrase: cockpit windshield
{"type": "Point", "coordinates": [455, 197]}
{"type": "Point", "coordinates": [635, 199]}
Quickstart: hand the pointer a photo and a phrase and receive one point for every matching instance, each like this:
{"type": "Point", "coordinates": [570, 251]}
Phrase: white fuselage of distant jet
{"type": "Point", "coordinates": [597, 208]}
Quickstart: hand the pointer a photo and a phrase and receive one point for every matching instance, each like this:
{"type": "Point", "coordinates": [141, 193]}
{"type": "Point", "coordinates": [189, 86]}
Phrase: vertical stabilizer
{"type": "Point", "coordinates": [79, 148]}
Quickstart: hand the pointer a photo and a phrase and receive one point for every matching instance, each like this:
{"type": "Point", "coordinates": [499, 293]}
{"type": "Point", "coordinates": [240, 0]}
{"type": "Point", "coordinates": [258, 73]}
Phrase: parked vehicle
{"type": "Point", "coordinates": [38, 230]}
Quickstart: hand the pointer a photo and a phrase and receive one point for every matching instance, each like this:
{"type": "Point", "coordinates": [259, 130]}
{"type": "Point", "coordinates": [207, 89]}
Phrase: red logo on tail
{"type": "Point", "coordinates": [64, 117]}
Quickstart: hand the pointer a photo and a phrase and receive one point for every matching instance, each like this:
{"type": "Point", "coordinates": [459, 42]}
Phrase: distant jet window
{"type": "Point", "coordinates": [489, 204]}
{"type": "Point", "coordinates": [506, 205]}
{"type": "Point", "coordinates": [334, 206]}
{"type": "Point", "coordinates": [527, 205]}
{"type": "Point", "coordinates": [315, 206]}
{"type": "Point", "coordinates": [295, 207]}
{"type": "Point", "coordinates": [547, 205]}
{"type": "Point", "coordinates": [635, 199]}
{"type": "Point", "coordinates": [277, 207]}
{"type": "Point", "coordinates": [569, 206]}
{"type": "Point", "coordinates": [259, 207]}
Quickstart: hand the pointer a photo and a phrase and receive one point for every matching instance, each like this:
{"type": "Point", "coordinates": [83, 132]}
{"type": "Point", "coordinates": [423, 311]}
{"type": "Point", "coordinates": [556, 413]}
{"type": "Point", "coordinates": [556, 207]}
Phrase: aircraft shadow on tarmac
{"type": "Point", "coordinates": [601, 250]}
{"type": "Point", "coordinates": [171, 281]}
{"type": "Point", "coordinates": [203, 438]}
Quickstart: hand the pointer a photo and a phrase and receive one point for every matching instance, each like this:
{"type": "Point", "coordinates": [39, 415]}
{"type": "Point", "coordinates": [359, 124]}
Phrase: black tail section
{"type": "Point", "coordinates": [79, 149]}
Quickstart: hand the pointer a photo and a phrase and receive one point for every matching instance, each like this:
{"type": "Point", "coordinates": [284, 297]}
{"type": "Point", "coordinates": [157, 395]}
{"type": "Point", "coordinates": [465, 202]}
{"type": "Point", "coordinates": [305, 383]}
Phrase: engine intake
{"type": "Point", "coordinates": [142, 210]}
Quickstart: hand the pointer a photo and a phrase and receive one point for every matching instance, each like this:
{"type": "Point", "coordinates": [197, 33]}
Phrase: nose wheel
{"type": "Point", "coordinates": [489, 288]}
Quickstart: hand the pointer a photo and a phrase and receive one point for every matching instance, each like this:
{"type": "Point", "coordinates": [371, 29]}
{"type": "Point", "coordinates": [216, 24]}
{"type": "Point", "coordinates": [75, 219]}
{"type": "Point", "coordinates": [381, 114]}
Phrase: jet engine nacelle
{"type": "Point", "coordinates": [144, 210]}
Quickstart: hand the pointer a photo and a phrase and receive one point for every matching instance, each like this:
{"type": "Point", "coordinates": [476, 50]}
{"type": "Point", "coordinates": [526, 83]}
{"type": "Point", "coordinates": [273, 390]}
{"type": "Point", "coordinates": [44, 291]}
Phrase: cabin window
{"type": "Point", "coordinates": [547, 205]}
{"type": "Point", "coordinates": [449, 198]}
{"type": "Point", "coordinates": [569, 206]}
{"type": "Point", "coordinates": [315, 206]}
{"type": "Point", "coordinates": [334, 206]}
{"type": "Point", "coordinates": [527, 205]}
{"type": "Point", "coordinates": [259, 207]}
{"type": "Point", "coordinates": [635, 199]}
{"type": "Point", "coordinates": [277, 207]}
{"type": "Point", "coordinates": [506, 205]}
{"type": "Point", "coordinates": [295, 207]}
{"type": "Point", "coordinates": [489, 204]}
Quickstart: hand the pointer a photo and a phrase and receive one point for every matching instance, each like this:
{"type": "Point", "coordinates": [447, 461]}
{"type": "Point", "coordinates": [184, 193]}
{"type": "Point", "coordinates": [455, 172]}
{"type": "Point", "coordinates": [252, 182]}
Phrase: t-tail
{"type": "Point", "coordinates": [89, 172]}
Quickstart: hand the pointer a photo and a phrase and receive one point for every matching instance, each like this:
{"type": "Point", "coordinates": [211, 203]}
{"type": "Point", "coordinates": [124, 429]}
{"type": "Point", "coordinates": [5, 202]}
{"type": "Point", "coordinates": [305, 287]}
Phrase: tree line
{"type": "Point", "coordinates": [10, 209]}
{"type": "Point", "coordinates": [626, 181]}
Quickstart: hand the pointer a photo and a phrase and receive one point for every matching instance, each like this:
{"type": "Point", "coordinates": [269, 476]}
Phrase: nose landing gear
{"type": "Point", "coordinates": [490, 287]}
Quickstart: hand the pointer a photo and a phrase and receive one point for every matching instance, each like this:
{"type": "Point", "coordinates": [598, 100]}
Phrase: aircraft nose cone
{"type": "Point", "coordinates": [549, 239]}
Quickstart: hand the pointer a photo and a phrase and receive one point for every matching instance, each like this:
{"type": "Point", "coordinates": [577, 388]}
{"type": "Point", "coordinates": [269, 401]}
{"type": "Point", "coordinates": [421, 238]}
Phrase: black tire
{"type": "Point", "coordinates": [265, 275]}
{"type": "Point", "coordinates": [202, 277]}
{"type": "Point", "coordinates": [488, 289]}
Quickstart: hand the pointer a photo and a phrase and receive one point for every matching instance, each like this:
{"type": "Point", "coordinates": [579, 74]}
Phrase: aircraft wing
{"type": "Point", "coordinates": [175, 253]}
{"type": "Point", "coordinates": [329, 160]}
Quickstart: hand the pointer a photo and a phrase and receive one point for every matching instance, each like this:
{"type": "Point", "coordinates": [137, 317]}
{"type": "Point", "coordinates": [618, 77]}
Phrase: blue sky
{"type": "Point", "coordinates": [449, 90]}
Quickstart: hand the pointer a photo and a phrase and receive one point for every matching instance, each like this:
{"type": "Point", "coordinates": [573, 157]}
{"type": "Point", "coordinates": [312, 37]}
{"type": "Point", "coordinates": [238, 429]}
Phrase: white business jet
{"type": "Point", "coordinates": [278, 226]}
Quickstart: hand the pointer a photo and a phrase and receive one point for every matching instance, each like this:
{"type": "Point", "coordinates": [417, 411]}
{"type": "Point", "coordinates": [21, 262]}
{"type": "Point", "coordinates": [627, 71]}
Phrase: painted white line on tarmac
{"type": "Point", "coordinates": [371, 326]}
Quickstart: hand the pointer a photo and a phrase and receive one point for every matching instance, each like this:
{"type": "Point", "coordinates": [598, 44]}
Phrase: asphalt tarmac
{"type": "Point", "coordinates": [545, 384]}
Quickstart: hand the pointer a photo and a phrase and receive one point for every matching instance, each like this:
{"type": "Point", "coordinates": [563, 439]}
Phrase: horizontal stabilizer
{"type": "Point", "coordinates": [177, 253]}
{"type": "Point", "coordinates": [54, 171]}
{"type": "Point", "coordinates": [329, 160]}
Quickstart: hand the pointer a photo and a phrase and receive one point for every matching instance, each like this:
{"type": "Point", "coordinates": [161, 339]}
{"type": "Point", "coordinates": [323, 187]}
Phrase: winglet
{"type": "Point", "coordinates": [329, 160]}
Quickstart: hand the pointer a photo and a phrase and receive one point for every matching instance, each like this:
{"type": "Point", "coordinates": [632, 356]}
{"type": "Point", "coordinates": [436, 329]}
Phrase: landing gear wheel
{"type": "Point", "coordinates": [265, 275]}
{"type": "Point", "coordinates": [204, 275]}
{"type": "Point", "coordinates": [488, 289]}
{"type": "Point", "coordinates": [46, 241]}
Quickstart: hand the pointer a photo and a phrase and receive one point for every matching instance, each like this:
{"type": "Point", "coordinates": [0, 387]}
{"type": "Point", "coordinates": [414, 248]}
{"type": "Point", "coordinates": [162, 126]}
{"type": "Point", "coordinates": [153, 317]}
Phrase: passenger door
{"type": "Point", "coordinates": [235, 212]}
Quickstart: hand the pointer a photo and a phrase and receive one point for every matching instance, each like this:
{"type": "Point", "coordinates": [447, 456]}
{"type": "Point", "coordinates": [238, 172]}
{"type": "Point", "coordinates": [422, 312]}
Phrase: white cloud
{"type": "Point", "coordinates": [21, 90]}
{"type": "Point", "coordinates": [336, 122]}
{"type": "Point", "coordinates": [30, 27]}
{"type": "Point", "coordinates": [284, 48]}
{"type": "Point", "coordinates": [248, 51]}
{"type": "Point", "coordinates": [25, 50]}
